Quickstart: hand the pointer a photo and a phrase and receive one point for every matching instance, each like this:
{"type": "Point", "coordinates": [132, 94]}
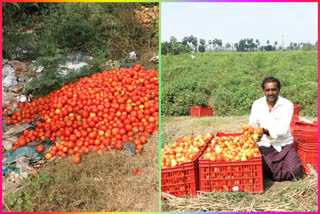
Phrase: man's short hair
{"type": "Point", "coordinates": [271, 79]}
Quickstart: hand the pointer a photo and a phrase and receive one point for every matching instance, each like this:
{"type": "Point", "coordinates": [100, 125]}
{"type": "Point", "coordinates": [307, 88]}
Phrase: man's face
{"type": "Point", "coordinates": [271, 91]}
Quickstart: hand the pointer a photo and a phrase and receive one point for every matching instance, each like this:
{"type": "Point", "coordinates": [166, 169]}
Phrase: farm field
{"type": "Point", "coordinates": [230, 81]}
{"type": "Point", "coordinates": [300, 194]}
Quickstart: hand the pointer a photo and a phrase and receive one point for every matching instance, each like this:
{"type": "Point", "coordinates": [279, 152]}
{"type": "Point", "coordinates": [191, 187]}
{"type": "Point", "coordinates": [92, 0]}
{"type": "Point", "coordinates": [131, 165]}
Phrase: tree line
{"type": "Point", "coordinates": [191, 43]}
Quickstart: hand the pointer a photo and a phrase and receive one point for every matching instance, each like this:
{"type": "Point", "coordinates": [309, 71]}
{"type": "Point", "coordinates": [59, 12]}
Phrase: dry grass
{"type": "Point", "coordinates": [297, 195]}
{"type": "Point", "coordinates": [175, 127]}
{"type": "Point", "coordinates": [145, 55]}
{"type": "Point", "coordinates": [102, 183]}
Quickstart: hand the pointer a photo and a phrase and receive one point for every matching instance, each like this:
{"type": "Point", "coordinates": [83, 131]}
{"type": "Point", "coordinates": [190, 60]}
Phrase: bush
{"type": "Point", "coordinates": [111, 29]}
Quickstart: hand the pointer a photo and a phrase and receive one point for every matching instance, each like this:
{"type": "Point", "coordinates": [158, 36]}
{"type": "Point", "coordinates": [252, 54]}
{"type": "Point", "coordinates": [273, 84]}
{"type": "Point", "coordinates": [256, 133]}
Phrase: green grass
{"type": "Point", "coordinates": [230, 81]}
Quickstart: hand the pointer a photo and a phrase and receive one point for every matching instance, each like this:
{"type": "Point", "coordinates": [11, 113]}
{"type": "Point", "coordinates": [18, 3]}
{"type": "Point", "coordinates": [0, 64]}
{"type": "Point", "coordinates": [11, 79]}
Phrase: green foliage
{"type": "Point", "coordinates": [108, 28]}
{"type": "Point", "coordinates": [232, 81]}
{"type": "Point", "coordinates": [22, 200]}
{"type": "Point", "coordinates": [18, 17]}
{"type": "Point", "coordinates": [174, 48]}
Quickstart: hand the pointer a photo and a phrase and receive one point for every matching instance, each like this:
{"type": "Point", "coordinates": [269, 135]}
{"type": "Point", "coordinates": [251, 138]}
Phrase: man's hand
{"type": "Point", "coordinates": [265, 131]}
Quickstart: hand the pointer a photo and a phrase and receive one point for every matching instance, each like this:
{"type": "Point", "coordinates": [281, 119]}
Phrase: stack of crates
{"type": "Point", "coordinates": [306, 143]}
{"type": "Point", "coordinates": [296, 109]}
{"type": "Point", "coordinates": [199, 111]}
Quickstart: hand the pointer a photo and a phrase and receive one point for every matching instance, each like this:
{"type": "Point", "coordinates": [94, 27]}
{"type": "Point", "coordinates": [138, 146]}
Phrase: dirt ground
{"type": "Point", "coordinates": [300, 194]}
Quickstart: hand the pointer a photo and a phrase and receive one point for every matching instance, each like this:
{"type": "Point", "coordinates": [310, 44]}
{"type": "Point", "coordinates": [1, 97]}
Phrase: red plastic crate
{"type": "Point", "coordinates": [232, 175]}
{"type": "Point", "coordinates": [183, 179]}
{"type": "Point", "coordinates": [196, 111]}
{"type": "Point", "coordinates": [307, 154]}
{"type": "Point", "coordinates": [180, 180]}
{"type": "Point", "coordinates": [201, 112]}
{"type": "Point", "coordinates": [296, 109]}
{"type": "Point", "coordinates": [311, 141]}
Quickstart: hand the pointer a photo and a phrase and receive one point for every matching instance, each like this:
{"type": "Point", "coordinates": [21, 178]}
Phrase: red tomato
{"type": "Point", "coordinates": [40, 148]}
{"type": "Point", "coordinates": [137, 172]}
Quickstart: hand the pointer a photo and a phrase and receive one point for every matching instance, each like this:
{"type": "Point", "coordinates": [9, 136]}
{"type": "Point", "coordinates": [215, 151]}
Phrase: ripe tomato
{"type": "Point", "coordinates": [48, 156]}
{"type": "Point", "coordinates": [40, 148]}
{"type": "Point", "coordinates": [137, 172]}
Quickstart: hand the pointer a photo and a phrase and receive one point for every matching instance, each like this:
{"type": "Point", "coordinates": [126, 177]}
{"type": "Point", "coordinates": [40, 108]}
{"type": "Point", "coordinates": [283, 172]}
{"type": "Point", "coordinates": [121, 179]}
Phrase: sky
{"type": "Point", "coordinates": [281, 22]}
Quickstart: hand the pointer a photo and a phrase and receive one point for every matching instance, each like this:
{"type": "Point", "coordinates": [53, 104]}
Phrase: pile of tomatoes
{"type": "Point", "coordinates": [234, 148]}
{"type": "Point", "coordinates": [184, 149]}
{"type": "Point", "coordinates": [105, 109]}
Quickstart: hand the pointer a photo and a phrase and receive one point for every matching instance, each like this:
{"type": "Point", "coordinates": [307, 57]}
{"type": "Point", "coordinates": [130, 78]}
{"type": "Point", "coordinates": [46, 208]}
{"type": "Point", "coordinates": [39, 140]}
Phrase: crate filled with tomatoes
{"type": "Point", "coordinates": [232, 162]}
{"type": "Point", "coordinates": [179, 165]}
{"type": "Point", "coordinates": [306, 143]}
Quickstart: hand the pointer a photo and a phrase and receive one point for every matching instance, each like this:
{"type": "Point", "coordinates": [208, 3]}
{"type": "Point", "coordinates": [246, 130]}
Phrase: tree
{"type": "Point", "coordinates": [195, 43]}
{"type": "Point", "coordinates": [185, 41]}
{"type": "Point", "coordinates": [227, 46]}
{"type": "Point", "coordinates": [202, 42]}
{"type": "Point", "coordinates": [258, 43]}
{"type": "Point", "coordinates": [242, 45]}
{"type": "Point", "coordinates": [268, 42]}
{"type": "Point", "coordinates": [165, 48]}
{"type": "Point", "coordinates": [275, 45]}
{"type": "Point", "coordinates": [173, 39]}
{"type": "Point", "coordinates": [202, 47]}
{"type": "Point", "coordinates": [236, 45]}
{"type": "Point", "coordinates": [210, 43]}
{"type": "Point", "coordinates": [295, 46]}
{"type": "Point", "coordinates": [218, 42]}
{"type": "Point", "coordinates": [251, 44]}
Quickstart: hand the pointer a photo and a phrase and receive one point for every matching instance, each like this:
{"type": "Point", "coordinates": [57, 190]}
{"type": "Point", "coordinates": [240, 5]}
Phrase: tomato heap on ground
{"type": "Point", "coordinates": [184, 149]}
{"type": "Point", "coordinates": [105, 109]}
{"type": "Point", "coordinates": [234, 148]}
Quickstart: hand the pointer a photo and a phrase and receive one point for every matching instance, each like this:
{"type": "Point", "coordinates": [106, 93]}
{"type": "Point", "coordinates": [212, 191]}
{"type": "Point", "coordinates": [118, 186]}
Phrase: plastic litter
{"type": "Point", "coordinates": [129, 149]}
{"type": "Point", "coordinates": [126, 65]}
{"type": "Point", "coordinates": [6, 170]}
{"type": "Point", "coordinates": [25, 151]}
{"type": "Point", "coordinates": [25, 168]}
{"type": "Point", "coordinates": [154, 59]}
{"type": "Point", "coordinates": [38, 69]}
{"type": "Point", "coordinates": [9, 98]}
{"type": "Point", "coordinates": [17, 130]}
{"type": "Point", "coordinates": [8, 142]}
{"type": "Point", "coordinates": [22, 98]}
{"type": "Point", "coordinates": [9, 81]}
{"type": "Point", "coordinates": [65, 69]}
{"type": "Point", "coordinates": [132, 56]}
{"type": "Point", "coordinates": [6, 70]}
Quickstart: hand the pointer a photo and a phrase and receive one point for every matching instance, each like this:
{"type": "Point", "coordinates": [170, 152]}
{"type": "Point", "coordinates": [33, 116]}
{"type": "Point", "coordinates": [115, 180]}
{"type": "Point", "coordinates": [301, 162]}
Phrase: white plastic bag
{"type": "Point", "coordinates": [132, 56]}
{"type": "Point", "coordinates": [9, 81]}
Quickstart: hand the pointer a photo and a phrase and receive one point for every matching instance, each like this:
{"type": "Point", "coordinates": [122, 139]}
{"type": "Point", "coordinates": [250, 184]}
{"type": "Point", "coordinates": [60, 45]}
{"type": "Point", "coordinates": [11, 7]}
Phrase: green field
{"type": "Point", "coordinates": [230, 81]}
